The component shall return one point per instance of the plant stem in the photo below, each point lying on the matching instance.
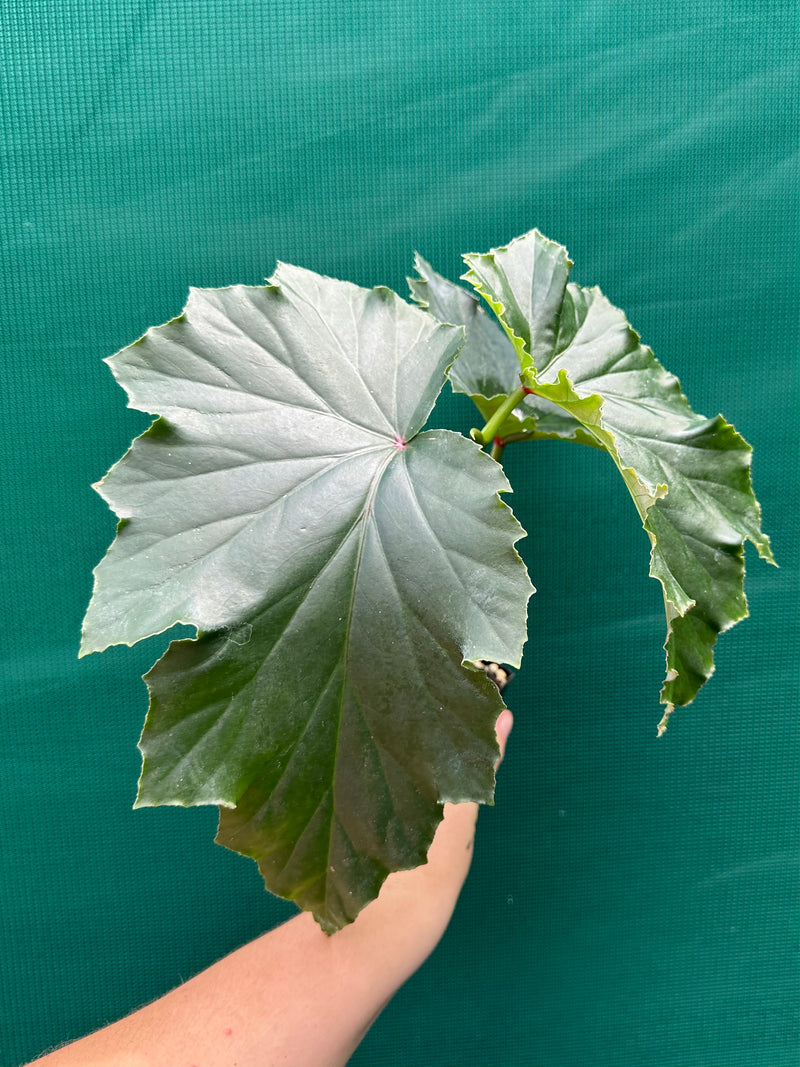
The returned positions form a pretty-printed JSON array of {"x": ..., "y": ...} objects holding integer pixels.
[
  {"x": 489, "y": 431},
  {"x": 498, "y": 448}
]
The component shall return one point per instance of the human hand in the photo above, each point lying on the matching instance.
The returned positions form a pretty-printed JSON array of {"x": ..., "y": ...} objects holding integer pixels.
[
  {"x": 422, "y": 900},
  {"x": 251, "y": 1009}
]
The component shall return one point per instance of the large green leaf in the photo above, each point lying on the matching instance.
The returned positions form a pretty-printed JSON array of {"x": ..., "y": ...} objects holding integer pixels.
[
  {"x": 339, "y": 565},
  {"x": 689, "y": 476}
]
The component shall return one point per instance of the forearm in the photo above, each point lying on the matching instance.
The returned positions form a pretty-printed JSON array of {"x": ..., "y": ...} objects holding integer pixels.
[{"x": 295, "y": 996}]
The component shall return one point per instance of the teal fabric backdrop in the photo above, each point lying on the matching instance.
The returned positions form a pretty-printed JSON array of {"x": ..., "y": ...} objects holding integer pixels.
[{"x": 633, "y": 901}]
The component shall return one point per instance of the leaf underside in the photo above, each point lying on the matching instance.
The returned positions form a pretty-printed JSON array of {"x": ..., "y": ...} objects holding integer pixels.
[
  {"x": 592, "y": 381},
  {"x": 339, "y": 565}
]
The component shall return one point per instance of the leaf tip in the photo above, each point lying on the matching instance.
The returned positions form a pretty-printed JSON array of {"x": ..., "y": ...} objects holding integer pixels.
[
  {"x": 89, "y": 644},
  {"x": 422, "y": 266},
  {"x": 764, "y": 549},
  {"x": 661, "y": 729}
]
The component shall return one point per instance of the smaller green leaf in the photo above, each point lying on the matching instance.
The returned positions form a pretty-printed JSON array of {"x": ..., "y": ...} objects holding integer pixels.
[
  {"x": 487, "y": 368},
  {"x": 524, "y": 285},
  {"x": 688, "y": 476},
  {"x": 487, "y": 364}
]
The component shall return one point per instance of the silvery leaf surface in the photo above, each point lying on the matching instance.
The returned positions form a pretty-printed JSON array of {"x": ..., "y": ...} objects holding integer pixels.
[{"x": 339, "y": 565}]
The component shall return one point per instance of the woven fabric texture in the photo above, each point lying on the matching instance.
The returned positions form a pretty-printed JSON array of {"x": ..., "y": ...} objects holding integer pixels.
[{"x": 632, "y": 901}]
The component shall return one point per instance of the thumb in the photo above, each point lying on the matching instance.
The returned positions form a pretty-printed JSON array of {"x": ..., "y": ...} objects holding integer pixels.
[{"x": 505, "y": 722}]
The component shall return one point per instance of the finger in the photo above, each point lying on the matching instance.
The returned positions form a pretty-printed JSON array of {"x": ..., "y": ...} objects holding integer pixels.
[{"x": 505, "y": 722}]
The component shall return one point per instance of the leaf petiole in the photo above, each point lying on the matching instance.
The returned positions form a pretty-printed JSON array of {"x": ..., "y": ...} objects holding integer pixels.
[
  {"x": 499, "y": 443},
  {"x": 489, "y": 431},
  {"x": 498, "y": 448}
]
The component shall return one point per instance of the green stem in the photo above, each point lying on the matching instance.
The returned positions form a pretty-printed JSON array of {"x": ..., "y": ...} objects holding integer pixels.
[{"x": 489, "y": 431}]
